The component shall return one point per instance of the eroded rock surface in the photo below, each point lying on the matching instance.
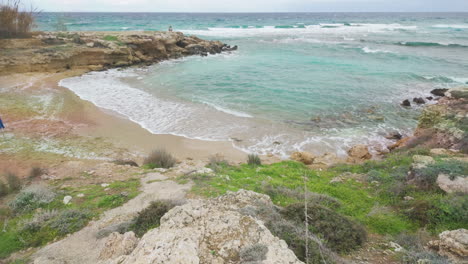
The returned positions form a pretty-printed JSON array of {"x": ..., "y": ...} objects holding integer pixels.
[
  {"x": 452, "y": 244},
  {"x": 210, "y": 231}
]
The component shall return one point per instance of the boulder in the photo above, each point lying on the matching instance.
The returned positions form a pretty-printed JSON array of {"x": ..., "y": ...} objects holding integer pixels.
[
  {"x": 455, "y": 185},
  {"x": 210, "y": 231},
  {"x": 118, "y": 245},
  {"x": 303, "y": 157},
  {"x": 394, "y": 136},
  {"x": 67, "y": 199},
  {"x": 419, "y": 100},
  {"x": 358, "y": 153},
  {"x": 325, "y": 161},
  {"x": 458, "y": 93},
  {"x": 421, "y": 161},
  {"x": 406, "y": 103},
  {"x": 439, "y": 92},
  {"x": 452, "y": 244}
]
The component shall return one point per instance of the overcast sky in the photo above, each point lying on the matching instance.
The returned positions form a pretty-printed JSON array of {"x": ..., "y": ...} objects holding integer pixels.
[{"x": 252, "y": 5}]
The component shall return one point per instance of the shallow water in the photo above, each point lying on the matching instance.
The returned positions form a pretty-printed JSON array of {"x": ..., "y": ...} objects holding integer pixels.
[{"x": 316, "y": 82}]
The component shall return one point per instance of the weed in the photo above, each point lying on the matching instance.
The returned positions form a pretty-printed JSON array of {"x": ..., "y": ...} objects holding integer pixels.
[
  {"x": 217, "y": 163},
  {"x": 254, "y": 160},
  {"x": 39, "y": 220},
  {"x": 159, "y": 159},
  {"x": 3, "y": 189},
  {"x": 35, "y": 172},
  {"x": 150, "y": 217},
  {"x": 32, "y": 197},
  {"x": 14, "y": 182},
  {"x": 70, "y": 221},
  {"x": 13, "y": 21},
  {"x": 253, "y": 253}
]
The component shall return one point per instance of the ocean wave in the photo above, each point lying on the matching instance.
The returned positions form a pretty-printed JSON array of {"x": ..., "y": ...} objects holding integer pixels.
[
  {"x": 455, "y": 26},
  {"x": 445, "y": 79},
  {"x": 430, "y": 44},
  {"x": 228, "y": 111},
  {"x": 295, "y": 30},
  {"x": 369, "y": 50}
]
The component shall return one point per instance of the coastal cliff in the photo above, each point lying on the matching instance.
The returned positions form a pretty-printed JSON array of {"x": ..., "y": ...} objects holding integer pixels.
[{"x": 59, "y": 51}]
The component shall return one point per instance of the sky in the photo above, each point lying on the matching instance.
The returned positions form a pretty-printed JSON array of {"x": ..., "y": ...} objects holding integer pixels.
[{"x": 252, "y": 5}]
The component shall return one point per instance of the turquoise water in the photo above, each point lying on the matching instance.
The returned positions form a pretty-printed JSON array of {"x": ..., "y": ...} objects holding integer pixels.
[{"x": 317, "y": 82}]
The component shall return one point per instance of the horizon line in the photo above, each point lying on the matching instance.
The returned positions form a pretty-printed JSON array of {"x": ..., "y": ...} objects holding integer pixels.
[{"x": 251, "y": 12}]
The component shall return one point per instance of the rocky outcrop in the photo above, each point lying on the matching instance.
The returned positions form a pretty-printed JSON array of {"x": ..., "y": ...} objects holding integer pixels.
[
  {"x": 118, "y": 245},
  {"x": 453, "y": 185},
  {"x": 59, "y": 51},
  {"x": 303, "y": 157},
  {"x": 211, "y": 231},
  {"x": 358, "y": 153},
  {"x": 452, "y": 244}
]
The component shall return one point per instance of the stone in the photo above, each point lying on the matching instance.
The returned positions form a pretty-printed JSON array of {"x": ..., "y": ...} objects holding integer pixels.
[
  {"x": 358, "y": 153},
  {"x": 209, "y": 231},
  {"x": 419, "y": 100},
  {"x": 406, "y": 103},
  {"x": 408, "y": 198},
  {"x": 303, "y": 157},
  {"x": 439, "y": 92},
  {"x": 80, "y": 195},
  {"x": 457, "y": 185},
  {"x": 67, "y": 199},
  {"x": 118, "y": 245},
  {"x": 104, "y": 185},
  {"x": 421, "y": 161},
  {"x": 441, "y": 151},
  {"x": 452, "y": 244},
  {"x": 458, "y": 93},
  {"x": 394, "y": 136},
  {"x": 324, "y": 161}
]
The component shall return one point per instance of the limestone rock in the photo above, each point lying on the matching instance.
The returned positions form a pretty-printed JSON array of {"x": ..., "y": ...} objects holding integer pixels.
[
  {"x": 452, "y": 244},
  {"x": 458, "y": 93},
  {"x": 420, "y": 161},
  {"x": 67, "y": 199},
  {"x": 209, "y": 231},
  {"x": 303, "y": 157},
  {"x": 358, "y": 153},
  {"x": 441, "y": 151},
  {"x": 118, "y": 245},
  {"x": 457, "y": 185}
]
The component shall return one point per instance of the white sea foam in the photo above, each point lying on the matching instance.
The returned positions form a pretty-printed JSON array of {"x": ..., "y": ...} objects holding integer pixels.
[
  {"x": 456, "y": 26},
  {"x": 309, "y": 29},
  {"x": 460, "y": 80},
  {"x": 369, "y": 50},
  {"x": 228, "y": 111}
]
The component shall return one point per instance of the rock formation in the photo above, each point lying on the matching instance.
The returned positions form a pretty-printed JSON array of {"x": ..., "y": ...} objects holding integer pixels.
[
  {"x": 59, "y": 51},
  {"x": 210, "y": 231},
  {"x": 452, "y": 244},
  {"x": 359, "y": 153}
]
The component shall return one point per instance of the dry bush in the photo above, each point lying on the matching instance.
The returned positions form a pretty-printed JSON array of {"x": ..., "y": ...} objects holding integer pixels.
[
  {"x": 15, "y": 21},
  {"x": 35, "y": 172},
  {"x": 254, "y": 160},
  {"x": 160, "y": 158},
  {"x": 3, "y": 189},
  {"x": 14, "y": 182}
]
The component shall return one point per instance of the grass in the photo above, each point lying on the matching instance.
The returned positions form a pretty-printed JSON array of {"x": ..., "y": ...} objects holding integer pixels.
[
  {"x": 383, "y": 186},
  {"x": 15, "y": 22},
  {"x": 110, "y": 38},
  {"x": 68, "y": 218}
]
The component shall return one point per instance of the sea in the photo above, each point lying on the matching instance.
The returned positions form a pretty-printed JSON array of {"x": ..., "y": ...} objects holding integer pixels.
[{"x": 317, "y": 82}]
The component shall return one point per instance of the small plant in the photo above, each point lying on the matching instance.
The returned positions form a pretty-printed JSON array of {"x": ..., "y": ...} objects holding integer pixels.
[
  {"x": 39, "y": 220},
  {"x": 3, "y": 189},
  {"x": 253, "y": 253},
  {"x": 254, "y": 160},
  {"x": 69, "y": 221},
  {"x": 14, "y": 182},
  {"x": 13, "y": 21},
  {"x": 159, "y": 158},
  {"x": 35, "y": 172},
  {"x": 31, "y": 198},
  {"x": 125, "y": 162},
  {"x": 150, "y": 217},
  {"x": 217, "y": 162},
  {"x": 340, "y": 233},
  {"x": 110, "y": 38}
]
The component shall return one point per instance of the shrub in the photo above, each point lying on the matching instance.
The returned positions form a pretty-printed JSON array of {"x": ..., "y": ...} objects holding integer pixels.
[
  {"x": 31, "y": 198},
  {"x": 39, "y": 220},
  {"x": 450, "y": 212},
  {"x": 69, "y": 221},
  {"x": 35, "y": 172},
  {"x": 217, "y": 162},
  {"x": 3, "y": 189},
  {"x": 253, "y": 253},
  {"x": 426, "y": 177},
  {"x": 254, "y": 160},
  {"x": 13, "y": 21},
  {"x": 14, "y": 183},
  {"x": 126, "y": 162},
  {"x": 340, "y": 233},
  {"x": 150, "y": 217},
  {"x": 160, "y": 159}
]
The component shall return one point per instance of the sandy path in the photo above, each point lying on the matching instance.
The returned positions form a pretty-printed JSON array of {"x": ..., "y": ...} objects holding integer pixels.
[{"x": 83, "y": 246}]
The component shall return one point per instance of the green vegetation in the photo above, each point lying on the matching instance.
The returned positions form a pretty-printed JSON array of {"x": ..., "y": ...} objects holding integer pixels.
[
  {"x": 37, "y": 215},
  {"x": 150, "y": 217},
  {"x": 372, "y": 194},
  {"x": 110, "y": 38},
  {"x": 254, "y": 160},
  {"x": 14, "y": 182},
  {"x": 159, "y": 158}
]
